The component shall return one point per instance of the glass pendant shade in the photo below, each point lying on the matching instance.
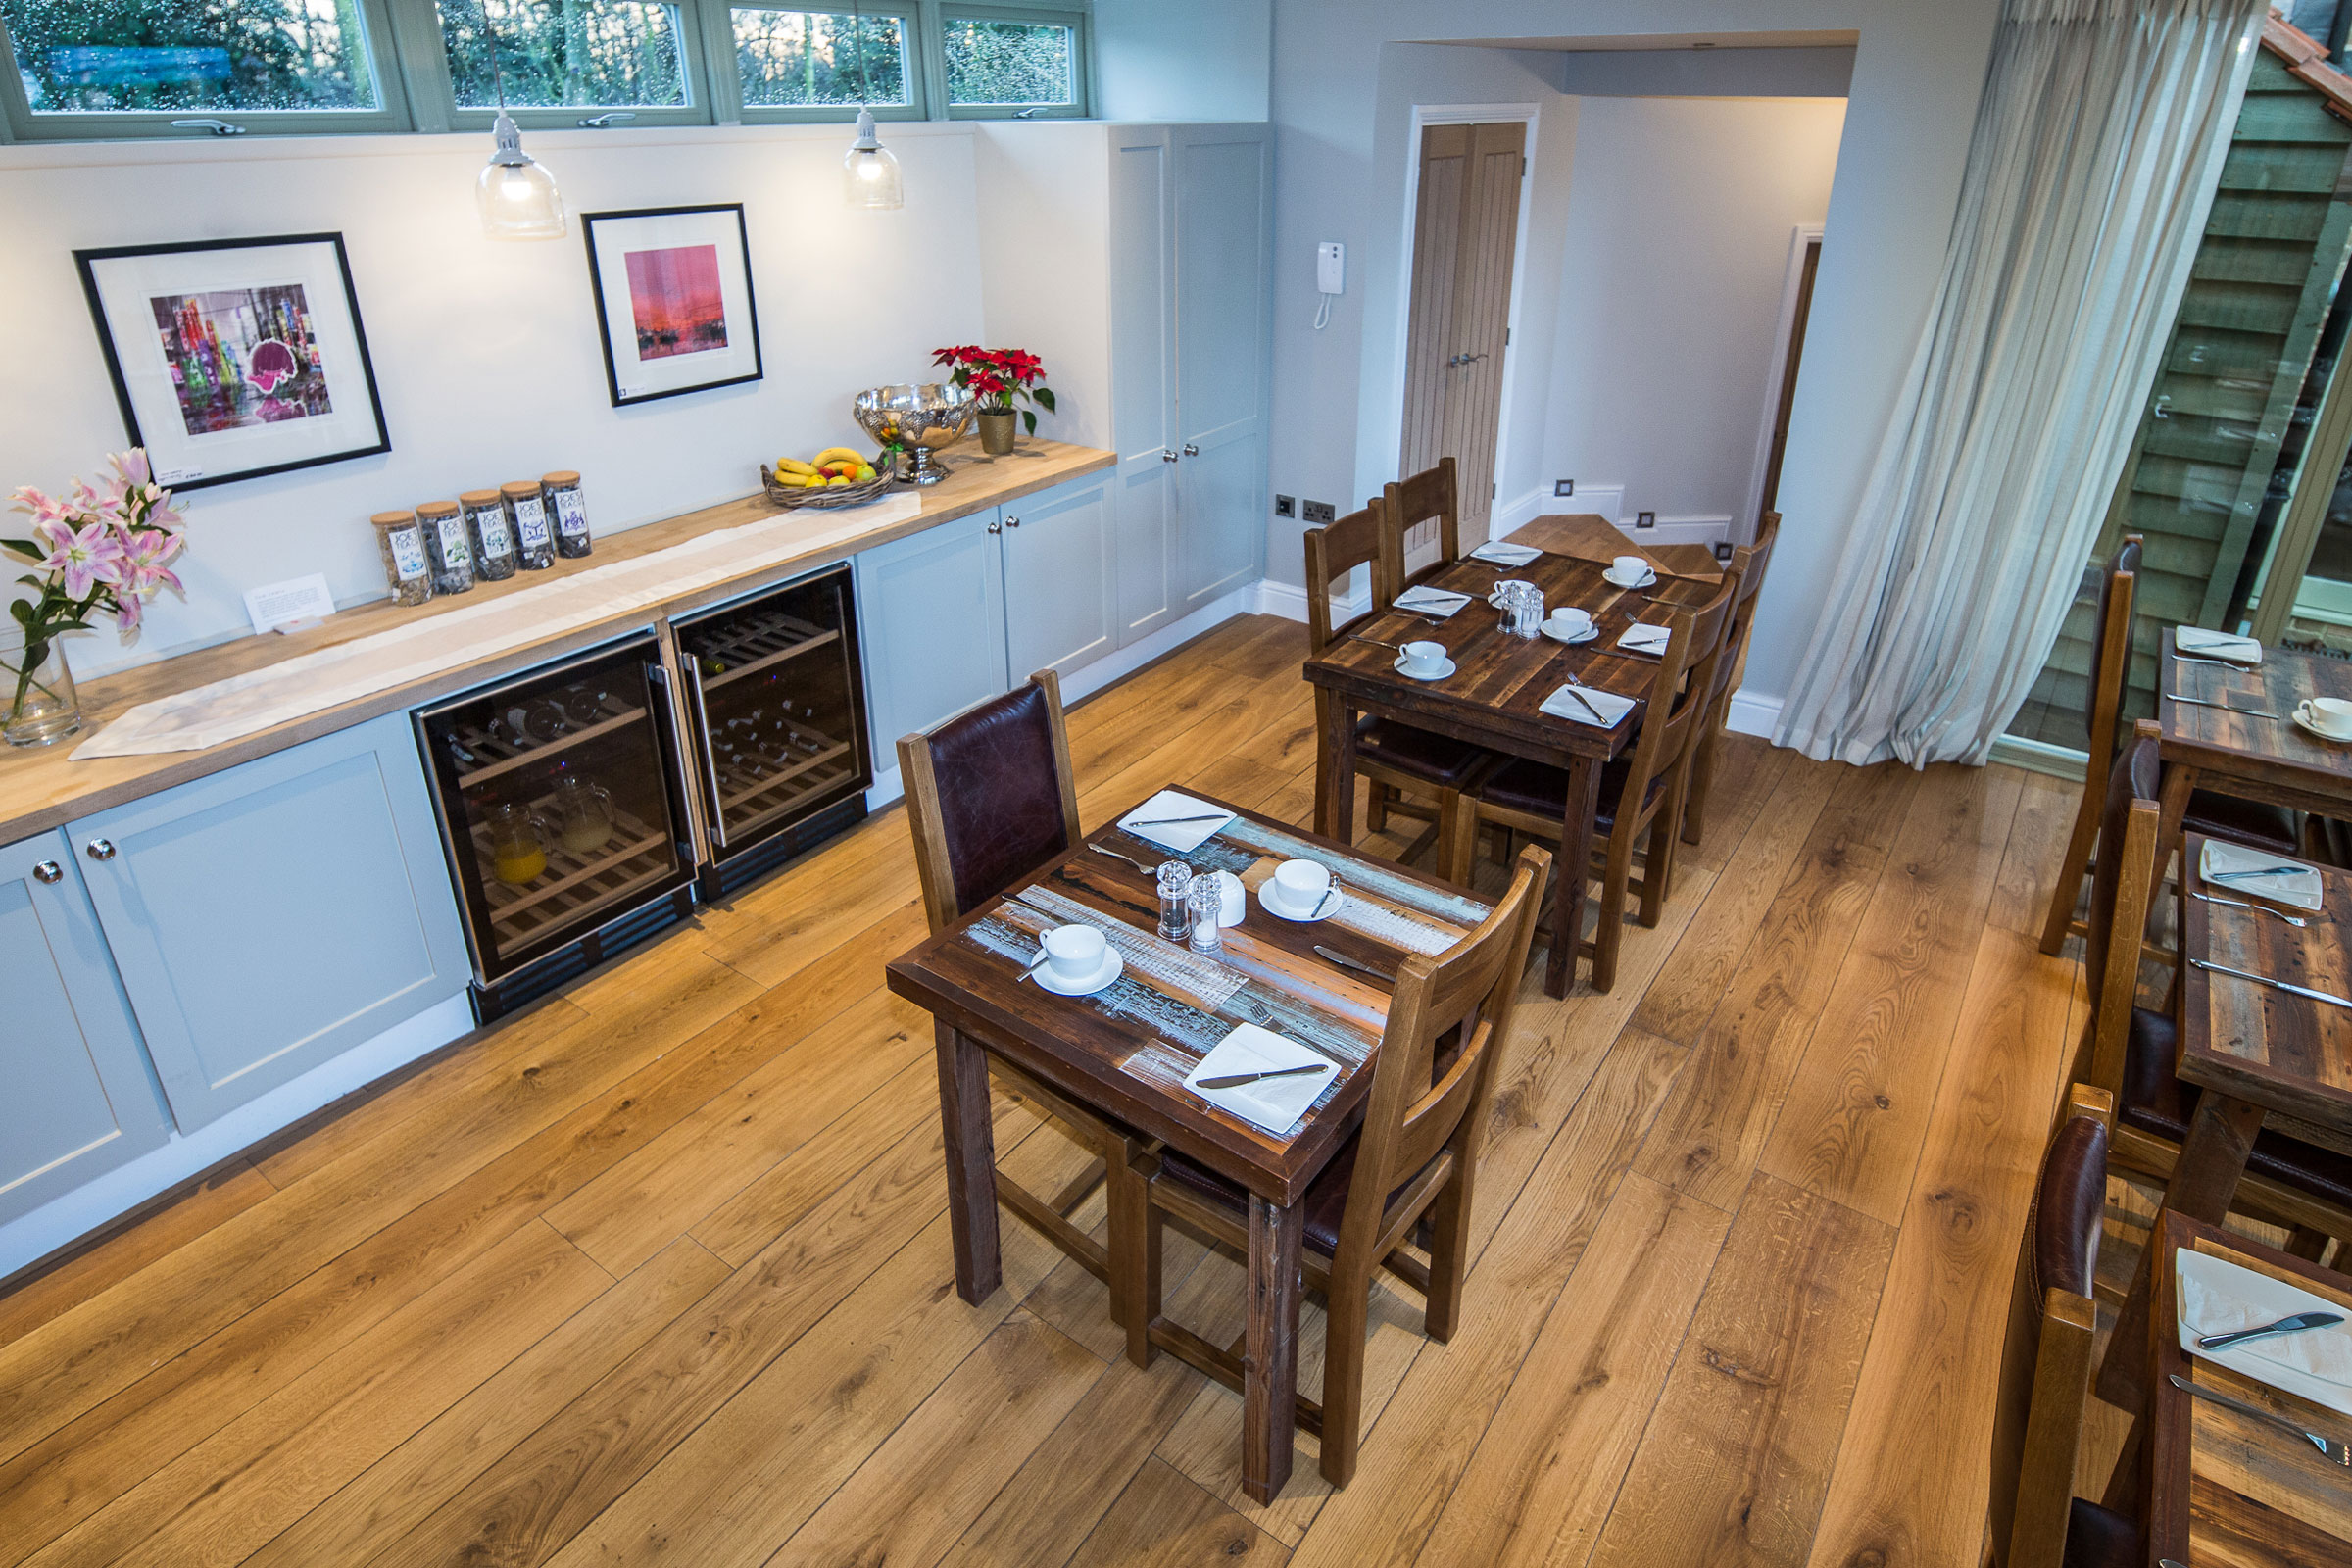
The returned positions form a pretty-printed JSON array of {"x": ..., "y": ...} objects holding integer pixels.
[
  {"x": 869, "y": 174},
  {"x": 516, "y": 197}
]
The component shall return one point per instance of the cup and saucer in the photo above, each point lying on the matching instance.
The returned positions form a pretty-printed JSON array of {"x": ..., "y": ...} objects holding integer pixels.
[
  {"x": 1302, "y": 890},
  {"x": 1076, "y": 960},
  {"x": 1424, "y": 660},
  {"x": 1569, "y": 625},
  {"x": 1629, "y": 572},
  {"x": 2328, "y": 717}
]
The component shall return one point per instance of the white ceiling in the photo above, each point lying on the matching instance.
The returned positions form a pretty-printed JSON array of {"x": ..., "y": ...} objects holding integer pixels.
[{"x": 1821, "y": 38}]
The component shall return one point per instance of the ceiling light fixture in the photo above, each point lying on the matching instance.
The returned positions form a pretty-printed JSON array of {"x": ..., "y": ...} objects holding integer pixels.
[
  {"x": 869, "y": 175},
  {"x": 517, "y": 198}
]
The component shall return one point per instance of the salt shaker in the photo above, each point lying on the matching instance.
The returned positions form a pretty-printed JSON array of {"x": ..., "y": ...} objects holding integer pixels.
[
  {"x": 1175, "y": 906},
  {"x": 1207, "y": 900}
]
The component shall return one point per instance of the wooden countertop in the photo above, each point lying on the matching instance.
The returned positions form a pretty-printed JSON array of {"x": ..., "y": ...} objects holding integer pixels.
[{"x": 42, "y": 789}]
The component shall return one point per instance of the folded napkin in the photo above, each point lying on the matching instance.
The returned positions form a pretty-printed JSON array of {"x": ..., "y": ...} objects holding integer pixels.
[
  {"x": 2219, "y": 1297},
  {"x": 1563, "y": 703},
  {"x": 2217, "y": 645},
  {"x": 2301, "y": 888},
  {"x": 1183, "y": 838},
  {"x": 1506, "y": 554},
  {"x": 1640, "y": 638},
  {"x": 1274, "y": 1104},
  {"x": 1431, "y": 601}
]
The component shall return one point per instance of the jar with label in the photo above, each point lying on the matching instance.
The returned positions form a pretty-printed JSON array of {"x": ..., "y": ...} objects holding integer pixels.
[
  {"x": 526, "y": 516},
  {"x": 448, "y": 552},
  {"x": 405, "y": 569},
  {"x": 570, "y": 508},
  {"x": 493, "y": 541}
]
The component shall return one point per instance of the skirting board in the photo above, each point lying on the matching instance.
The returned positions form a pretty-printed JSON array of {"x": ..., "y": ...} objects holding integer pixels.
[{"x": 1755, "y": 714}]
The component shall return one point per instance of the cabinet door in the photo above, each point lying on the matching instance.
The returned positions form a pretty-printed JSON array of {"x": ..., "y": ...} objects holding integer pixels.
[
  {"x": 78, "y": 1098},
  {"x": 1142, "y": 368},
  {"x": 1223, "y": 278},
  {"x": 931, "y": 609},
  {"x": 269, "y": 918},
  {"x": 1057, "y": 588}
]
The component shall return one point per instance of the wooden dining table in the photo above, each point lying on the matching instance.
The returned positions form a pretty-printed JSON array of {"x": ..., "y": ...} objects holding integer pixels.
[
  {"x": 2258, "y": 753},
  {"x": 2224, "y": 1489},
  {"x": 1124, "y": 1052},
  {"x": 1493, "y": 697}
]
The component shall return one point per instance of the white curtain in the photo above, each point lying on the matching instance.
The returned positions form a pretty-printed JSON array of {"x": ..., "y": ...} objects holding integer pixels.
[{"x": 2090, "y": 174}]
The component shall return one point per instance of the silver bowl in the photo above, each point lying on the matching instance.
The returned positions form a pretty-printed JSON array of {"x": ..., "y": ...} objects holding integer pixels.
[{"x": 919, "y": 419}]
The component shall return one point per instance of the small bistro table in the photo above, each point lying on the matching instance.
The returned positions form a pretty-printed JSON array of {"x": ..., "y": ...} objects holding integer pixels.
[
  {"x": 2257, "y": 757},
  {"x": 1500, "y": 682},
  {"x": 1124, "y": 1052}
]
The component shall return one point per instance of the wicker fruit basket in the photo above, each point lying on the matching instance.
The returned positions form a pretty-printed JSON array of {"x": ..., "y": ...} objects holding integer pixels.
[{"x": 826, "y": 496}]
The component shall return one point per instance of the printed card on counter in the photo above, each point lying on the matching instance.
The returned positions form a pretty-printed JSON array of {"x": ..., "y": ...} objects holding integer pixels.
[{"x": 290, "y": 605}]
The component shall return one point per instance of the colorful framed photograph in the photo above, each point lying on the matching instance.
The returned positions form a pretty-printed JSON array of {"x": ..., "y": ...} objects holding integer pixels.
[
  {"x": 673, "y": 300},
  {"x": 237, "y": 358}
]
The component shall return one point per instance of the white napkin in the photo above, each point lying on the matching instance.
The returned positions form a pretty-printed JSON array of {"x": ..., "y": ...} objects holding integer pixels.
[
  {"x": 1182, "y": 838},
  {"x": 2302, "y": 889},
  {"x": 2219, "y": 1297},
  {"x": 1274, "y": 1104},
  {"x": 1431, "y": 601},
  {"x": 2217, "y": 645},
  {"x": 1640, "y": 638},
  {"x": 1563, "y": 703},
  {"x": 1506, "y": 554}
]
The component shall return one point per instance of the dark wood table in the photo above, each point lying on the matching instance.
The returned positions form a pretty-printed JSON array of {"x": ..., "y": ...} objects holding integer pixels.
[
  {"x": 1125, "y": 1051},
  {"x": 1495, "y": 696},
  {"x": 2225, "y": 1489},
  {"x": 2239, "y": 753}
]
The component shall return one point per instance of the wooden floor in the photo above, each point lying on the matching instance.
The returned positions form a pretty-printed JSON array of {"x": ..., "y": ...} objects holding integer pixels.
[{"x": 659, "y": 1271}]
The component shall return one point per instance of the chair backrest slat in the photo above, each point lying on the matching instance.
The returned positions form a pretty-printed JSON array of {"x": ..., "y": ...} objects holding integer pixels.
[
  {"x": 991, "y": 797},
  {"x": 1419, "y": 497},
  {"x": 1748, "y": 564},
  {"x": 2111, "y": 651},
  {"x": 2119, "y": 889},
  {"x": 1332, "y": 551},
  {"x": 1675, "y": 705}
]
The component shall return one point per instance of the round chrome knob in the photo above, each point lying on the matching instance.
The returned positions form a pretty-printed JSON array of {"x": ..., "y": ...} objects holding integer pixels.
[
  {"x": 1191, "y": 451},
  {"x": 50, "y": 873},
  {"x": 1166, "y": 456},
  {"x": 1012, "y": 522},
  {"x": 100, "y": 849},
  {"x": 996, "y": 528}
]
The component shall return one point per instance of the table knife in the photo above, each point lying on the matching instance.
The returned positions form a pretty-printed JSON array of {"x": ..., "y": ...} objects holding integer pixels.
[
  {"x": 1346, "y": 962},
  {"x": 1234, "y": 1080},
  {"x": 1585, "y": 706},
  {"x": 2199, "y": 702},
  {"x": 2334, "y": 1448},
  {"x": 1173, "y": 821},
  {"x": 2297, "y": 1324},
  {"x": 2276, "y": 985},
  {"x": 2259, "y": 870}
]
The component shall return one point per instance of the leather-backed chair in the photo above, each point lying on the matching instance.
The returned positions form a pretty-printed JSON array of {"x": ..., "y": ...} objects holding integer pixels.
[
  {"x": 991, "y": 797},
  {"x": 1406, "y": 504},
  {"x": 1748, "y": 564}
]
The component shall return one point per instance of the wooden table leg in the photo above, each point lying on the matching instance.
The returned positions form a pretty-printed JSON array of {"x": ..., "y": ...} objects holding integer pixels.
[
  {"x": 1270, "y": 1357},
  {"x": 2220, "y": 1136},
  {"x": 1335, "y": 803},
  {"x": 971, "y": 1149},
  {"x": 1568, "y": 899},
  {"x": 2180, "y": 782}
]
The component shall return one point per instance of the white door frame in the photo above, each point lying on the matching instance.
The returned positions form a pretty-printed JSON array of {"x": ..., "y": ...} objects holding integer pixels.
[
  {"x": 1425, "y": 114},
  {"x": 1800, "y": 238}
]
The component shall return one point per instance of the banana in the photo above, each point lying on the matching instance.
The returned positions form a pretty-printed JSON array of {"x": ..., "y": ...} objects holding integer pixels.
[
  {"x": 796, "y": 481},
  {"x": 794, "y": 465},
  {"x": 830, "y": 454}
]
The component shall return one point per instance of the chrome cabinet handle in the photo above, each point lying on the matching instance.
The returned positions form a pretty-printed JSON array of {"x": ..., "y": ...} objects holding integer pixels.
[
  {"x": 100, "y": 849},
  {"x": 996, "y": 528},
  {"x": 1012, "y": 522},
  {"x": 49, "y": 872},
  {"x": 1191, "y": 451},
  {"x": 1166, "y": 456}
]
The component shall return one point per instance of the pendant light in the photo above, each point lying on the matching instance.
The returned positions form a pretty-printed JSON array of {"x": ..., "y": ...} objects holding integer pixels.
[
  {"x": 516, "y": 197},
  {"x": 869, "y": 175}
]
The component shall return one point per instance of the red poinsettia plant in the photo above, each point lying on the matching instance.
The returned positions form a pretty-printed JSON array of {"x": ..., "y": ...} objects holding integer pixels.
[{"x": 1000, "y": 378}]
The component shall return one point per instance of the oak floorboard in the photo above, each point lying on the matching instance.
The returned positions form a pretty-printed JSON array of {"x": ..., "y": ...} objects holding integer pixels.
[
  {"x": 2037, "y": 835},
  {"x": 1748, "y": 773},
  {"x": 1165, "y": 1521}
]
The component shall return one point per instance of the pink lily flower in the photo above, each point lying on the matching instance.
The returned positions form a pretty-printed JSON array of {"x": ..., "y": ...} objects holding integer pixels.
[
  {"x": 128, "y": 607},
  {"x": 131, "y": 466},
  {"x": 83, "y": 558},
  {"x": 144, "y": 560},
  {"x": 44, "y": 509}
]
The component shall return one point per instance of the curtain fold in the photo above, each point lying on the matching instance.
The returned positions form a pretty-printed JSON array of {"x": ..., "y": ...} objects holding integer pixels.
[{"x": 2089, "y": 174}]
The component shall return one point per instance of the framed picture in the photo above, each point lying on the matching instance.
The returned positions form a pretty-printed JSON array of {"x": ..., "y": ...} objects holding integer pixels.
[
  {"x": 673, "y": 300},
  {"x": 237, "y": 358}
]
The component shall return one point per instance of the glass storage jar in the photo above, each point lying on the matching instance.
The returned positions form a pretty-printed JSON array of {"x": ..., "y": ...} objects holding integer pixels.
[
  {"x": 569, "y": 507},
  {"x": 493, "y": 541},
  {"x": 401, "y": 539},
  {"x": 526, "y": 516},
  {"x": 447, "y": 551}
]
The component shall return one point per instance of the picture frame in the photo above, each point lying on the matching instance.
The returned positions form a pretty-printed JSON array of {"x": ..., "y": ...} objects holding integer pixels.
[
  {"x": 678, "y": 283},
  {"x": 232, "y": 359}
]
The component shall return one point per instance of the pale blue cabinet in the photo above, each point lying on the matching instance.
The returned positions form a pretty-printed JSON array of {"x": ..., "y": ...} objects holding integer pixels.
[
  {"x": 78, "y": 1098},
  {"x": 931, "y": 611},
  {"x": 1058, "y": 547},
  {"x": 270, "y": 917}
]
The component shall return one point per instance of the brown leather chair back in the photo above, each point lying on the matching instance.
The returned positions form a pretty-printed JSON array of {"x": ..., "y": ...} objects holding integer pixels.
[
  {"x": 2111, "y": 651},
  {"x": 1407, "y": 502},
  {"x": 1332, "y": 551},
  {"x": 990, "y": 797},
  {"x": 1748, "y": 563}
]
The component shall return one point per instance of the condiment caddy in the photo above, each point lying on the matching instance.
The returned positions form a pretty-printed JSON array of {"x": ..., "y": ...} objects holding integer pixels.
[{"x": 445, "y": 547}]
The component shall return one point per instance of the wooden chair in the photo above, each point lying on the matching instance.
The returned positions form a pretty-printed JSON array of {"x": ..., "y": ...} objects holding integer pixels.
[
  {"x": 1415, "y": 1156},
  {"x": 2037, "y": 1520},
  {"x": 1412, "y": 772},
  {"x": 2250, "y": 822},
  {"x": 1747, "y": 571},
  {"x": 1641, "y": 792},
  {"x": 1408, "y": 503},
  {"x": 990, "y": 797},
  {"x": 2129, "y": 1051}
]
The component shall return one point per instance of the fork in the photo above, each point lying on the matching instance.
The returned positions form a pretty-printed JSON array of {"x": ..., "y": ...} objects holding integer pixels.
[
  {"x": 2241, "y": 903},
  {"x": 1129, "y": 859}
]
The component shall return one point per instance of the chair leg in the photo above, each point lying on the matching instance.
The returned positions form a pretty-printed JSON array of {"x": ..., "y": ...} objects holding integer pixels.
[
  {"x": 1448, "y": 1257},
  {"x": 2069, "y": 884},
  {"x": 1458, "y": 846},
  {"x": 1376, "y": 807},
  {"x": 1611, "y": 930},
  {"x": 1343, "y": 1373},
  {"x": 1702, "y": 774},
  {"x": 1135, "y": 1237},
  {"x": 1658, "y": 866}
]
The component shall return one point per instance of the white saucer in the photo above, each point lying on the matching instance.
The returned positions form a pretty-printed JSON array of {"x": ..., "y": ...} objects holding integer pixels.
[
  {"x": 1591, "y": 630},
  {"x": 1267, "y": 901},
  {"x": 1609, "y": 574},
  {"x": 1440, "y": 673},
  {"x": 1044, "y": 976},
  {"x": 2310, "y": 728}
]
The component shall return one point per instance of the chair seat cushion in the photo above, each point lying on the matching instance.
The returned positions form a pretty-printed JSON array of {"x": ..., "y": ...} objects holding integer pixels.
[
  {"x": 1440, "y": 760},
  {"x": 2155, "y": 1100},
  {"x": 1326, "y": 1203},
  {"x": 2100, "y": 1538},
  {"x": 1540, "y": 790},
  {"x": 2255, "y": 823}
]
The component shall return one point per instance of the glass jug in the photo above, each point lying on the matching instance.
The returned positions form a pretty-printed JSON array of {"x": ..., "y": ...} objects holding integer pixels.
[
  {"x": 517, "y": 843},
  {"x": 583, "y": 815}
]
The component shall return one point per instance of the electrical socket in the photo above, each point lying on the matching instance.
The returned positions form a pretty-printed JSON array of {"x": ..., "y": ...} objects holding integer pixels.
[
  {"x": 1563, "y": 487},
  {"x": 1722, "y": 550},
  {"x": 1286, "y": 506},
  {"x": 1645, "y": 519},
  {"x": 1321, "y": 512}
]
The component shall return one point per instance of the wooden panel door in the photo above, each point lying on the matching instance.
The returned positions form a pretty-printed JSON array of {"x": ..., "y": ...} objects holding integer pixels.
[
  {"x": 1465, "y": 229},
  {"x": 80, "y": 1100},
  {"x": 1057, "y": 583},
  {"x": 1143, "y": 369},
  {"x": 931, "y": 609},
  {"x": 1223, "y": 280}
]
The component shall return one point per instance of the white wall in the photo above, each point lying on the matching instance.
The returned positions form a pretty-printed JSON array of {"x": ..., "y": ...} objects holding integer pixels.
[
  {"x": 1188, "y": 60},
  {"x": 1044, "y": 196},
  {"x": 1679, "y": 212}
]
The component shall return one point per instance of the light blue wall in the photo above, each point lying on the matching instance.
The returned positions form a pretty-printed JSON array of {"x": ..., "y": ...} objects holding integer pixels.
[{"x": 1193, "y": 59}]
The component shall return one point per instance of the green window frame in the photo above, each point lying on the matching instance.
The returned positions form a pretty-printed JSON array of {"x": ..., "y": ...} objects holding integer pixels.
[
  {"x": 729, "y": 84},
  {"x": 435, "y": 85},
  {"x": 1082, "y": 53}
]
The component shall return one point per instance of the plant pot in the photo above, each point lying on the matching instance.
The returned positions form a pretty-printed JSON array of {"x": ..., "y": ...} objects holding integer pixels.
[
  {"x": 996, "y": 431},
  {"x": 39, "y": 707}
]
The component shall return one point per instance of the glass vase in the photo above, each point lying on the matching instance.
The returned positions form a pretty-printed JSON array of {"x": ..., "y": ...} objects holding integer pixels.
[{"x": 37, "y": 707}]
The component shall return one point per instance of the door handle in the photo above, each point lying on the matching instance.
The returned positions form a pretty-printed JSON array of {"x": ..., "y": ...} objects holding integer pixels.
[
  {"x": 100, "y": 849},
  {"x": 1012, "y": 522},
  {"x": 49, "y": 874},
  {"x": 1465, "y": 358},
  {"x": 996, "y": 528},
  {"x": 1191, "y": 451},
  {"x": 1166, "y": 456}
]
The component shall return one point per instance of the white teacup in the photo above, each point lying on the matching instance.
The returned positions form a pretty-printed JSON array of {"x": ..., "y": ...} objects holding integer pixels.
[
  {"x": 1632, "y": 569},
  {"x": 1300, "y": 886},
  {"x": 1424, "y": 657},
  {"x": 2329, "y": 716},
  {"x": 1569, "y": 622},
  {"x": 1073, "y": 953}
]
